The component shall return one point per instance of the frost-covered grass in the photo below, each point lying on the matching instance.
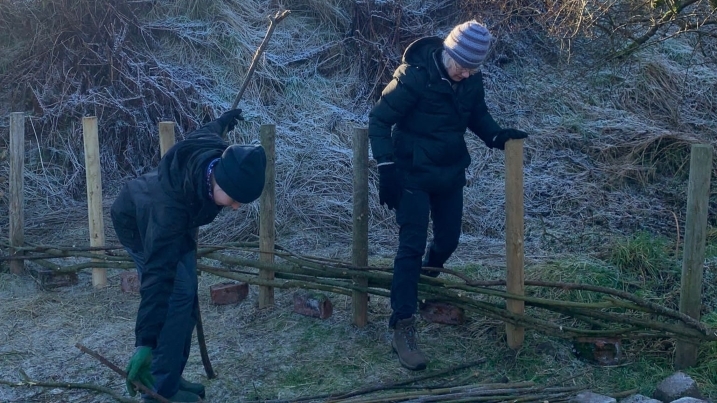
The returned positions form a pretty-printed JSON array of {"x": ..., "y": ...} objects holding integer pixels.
[
  {"x": 272, "y": 354},
  {"x": 606, "y": 159}
]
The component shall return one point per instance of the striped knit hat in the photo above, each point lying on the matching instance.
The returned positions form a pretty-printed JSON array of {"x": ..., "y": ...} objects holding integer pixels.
[{"x": 468, "y": 44}]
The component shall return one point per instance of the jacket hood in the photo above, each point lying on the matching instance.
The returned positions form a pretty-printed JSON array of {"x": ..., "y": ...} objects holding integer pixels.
[
  {"x": 420, "y": 52},
  {"x": 182, "y": 169}
]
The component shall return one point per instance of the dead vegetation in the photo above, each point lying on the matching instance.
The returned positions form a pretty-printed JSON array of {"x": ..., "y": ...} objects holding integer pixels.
[
  {"x": 608, "y": 156},
  {"x": 625, "y": 127},
  {"x": 614, "y": 29}
]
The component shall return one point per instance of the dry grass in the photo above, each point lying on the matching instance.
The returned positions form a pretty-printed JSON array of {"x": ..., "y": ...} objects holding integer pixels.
[
  {"x": 602, "y": 143},
  {"x": 607, "y": 156}
]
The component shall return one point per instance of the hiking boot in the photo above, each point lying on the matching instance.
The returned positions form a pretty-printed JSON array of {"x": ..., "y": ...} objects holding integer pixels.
[
  {"x": 181, "y": 396},
  {"x": 430, "y": 273},
  {"x": 404, "y": 343},
  {"x": 426, "y": 269},
  {"x": 196, "y": 388}
]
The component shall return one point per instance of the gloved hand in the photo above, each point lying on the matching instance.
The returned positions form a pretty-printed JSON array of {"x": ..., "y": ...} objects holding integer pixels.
[
  {"x": 229, "y": 119},
  {"x": 139, "y": 369},
  {"x": 389, "y": 186},
  {"x": 505, "y": 135}
]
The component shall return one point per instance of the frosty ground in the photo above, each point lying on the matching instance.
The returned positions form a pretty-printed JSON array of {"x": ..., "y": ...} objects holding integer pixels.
[{"x": 265, "y": 354}]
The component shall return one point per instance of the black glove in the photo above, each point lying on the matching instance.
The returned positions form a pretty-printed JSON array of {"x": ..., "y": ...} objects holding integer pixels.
[
  {"x": 389, "y": 186},
  {"x": 505, "y": 135},
  {"x": 230, "y": 118}
]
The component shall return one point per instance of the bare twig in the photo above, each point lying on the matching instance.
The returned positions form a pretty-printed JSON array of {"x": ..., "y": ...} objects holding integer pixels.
[
  {"x": 122, "y": 373},
  {"x": 677, "y": 229},
  {"x": 273, "y": 21},
  {"x": 598, "y": 318},
  {"x": 389, "y": 386},
  {"x": 68, "y": 385}
]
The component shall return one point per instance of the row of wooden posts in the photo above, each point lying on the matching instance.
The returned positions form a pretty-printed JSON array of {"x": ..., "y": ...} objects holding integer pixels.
[{"x": 694, "y": 245}]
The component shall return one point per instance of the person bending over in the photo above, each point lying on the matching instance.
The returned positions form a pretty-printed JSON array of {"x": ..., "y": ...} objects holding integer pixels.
[{"x": 156, "y": 217}]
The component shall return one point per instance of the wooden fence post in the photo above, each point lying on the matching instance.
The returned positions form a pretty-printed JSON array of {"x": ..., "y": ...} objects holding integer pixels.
[
  {"x": 359, "y": 250},
  {"x": 515, "y": 280},
  {"x": 93, "y": 174},
  {"x": 698, "y": 192},
  {"x": 267, "y": 200},
  {"x": 166, "y": 137},
  {"x": 17, "y": 185}
]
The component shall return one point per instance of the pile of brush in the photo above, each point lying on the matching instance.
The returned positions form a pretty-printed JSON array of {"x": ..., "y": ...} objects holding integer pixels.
[{"x": 608, "y": 313}]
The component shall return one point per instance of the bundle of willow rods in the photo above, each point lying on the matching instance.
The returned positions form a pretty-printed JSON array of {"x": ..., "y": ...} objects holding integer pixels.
[
  {"x": 618, "y": 314},
  {"x": 480, "y": 392},
  {"x": 497, "y": 392}
]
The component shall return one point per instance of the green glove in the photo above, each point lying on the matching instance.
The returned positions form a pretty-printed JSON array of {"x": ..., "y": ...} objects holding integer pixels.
[{"x": 139, "y": 369}]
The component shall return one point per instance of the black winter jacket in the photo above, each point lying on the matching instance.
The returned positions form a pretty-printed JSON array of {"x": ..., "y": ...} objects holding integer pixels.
[
  {"x": 158, "y": 213},
  {"x": 421, "y": 118}
]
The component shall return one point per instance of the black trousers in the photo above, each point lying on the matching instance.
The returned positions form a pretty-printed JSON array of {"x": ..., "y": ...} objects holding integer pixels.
[
  {"x": 412, "y": 216},
  {"x": 175, "y": 340}
]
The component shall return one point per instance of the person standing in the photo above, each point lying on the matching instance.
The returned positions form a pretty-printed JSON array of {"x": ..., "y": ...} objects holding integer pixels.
[
  {"x": 416, "y": 131},
  {"x": 156, "y": 217}
]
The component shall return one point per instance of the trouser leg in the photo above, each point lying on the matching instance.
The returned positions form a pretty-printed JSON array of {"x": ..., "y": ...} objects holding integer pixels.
[
  {"x": 175, "y": 339},
  {"x": 412, "y": 218},
  {"x": 447, "y": 215}
]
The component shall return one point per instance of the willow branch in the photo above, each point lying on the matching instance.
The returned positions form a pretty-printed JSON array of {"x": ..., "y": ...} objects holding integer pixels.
[
  {"x": 120, "y": 372},
  {"x": 68, "y": 385},
  {"x": 389, "y": 386}
]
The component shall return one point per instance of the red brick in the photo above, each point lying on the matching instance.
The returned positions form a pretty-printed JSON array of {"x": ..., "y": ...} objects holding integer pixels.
[
  {"x": 599, "y": 350},
  {"x": 129, "y": 281},
  {"x": 228, "y": 293},
  {"x": 442, "y": 312},
  {"x": 51, "y": 279},
  {"x": 313, "y": 304}
]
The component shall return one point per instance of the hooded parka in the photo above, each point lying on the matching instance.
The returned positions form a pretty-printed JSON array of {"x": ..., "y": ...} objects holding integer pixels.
[
  {"x": 158, "y": 213},
  {"x": 421, "y": 118}
]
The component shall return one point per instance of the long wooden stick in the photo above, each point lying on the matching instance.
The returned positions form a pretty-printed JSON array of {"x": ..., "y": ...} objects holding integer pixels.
[
  {"x": 203, "y": 343},
  {"x": 122, "y": 373},
  {"x": 273, "y": 21}
]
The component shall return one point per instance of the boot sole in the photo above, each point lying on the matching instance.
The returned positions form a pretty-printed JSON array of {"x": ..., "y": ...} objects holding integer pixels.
[
  {"x": 197, "y": 392},
  {"x": 419, "y": 367}
]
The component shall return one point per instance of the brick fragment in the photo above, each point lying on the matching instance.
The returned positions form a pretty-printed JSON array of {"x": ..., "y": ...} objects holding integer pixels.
[
  {"x": 599, "y": 350},
  {"x": 313, "y": 304},
  {"x": 129, "y": 281},
  {"x": 442, "y": 312},
  {"x": 228, "y": 293},
  {"x": 51, "y": 279}
]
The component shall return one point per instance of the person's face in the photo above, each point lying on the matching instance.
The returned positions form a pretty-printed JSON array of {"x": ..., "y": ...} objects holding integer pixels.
[
  {"x": 458, "y": 73},
  {"x": 223, "y": 199}
]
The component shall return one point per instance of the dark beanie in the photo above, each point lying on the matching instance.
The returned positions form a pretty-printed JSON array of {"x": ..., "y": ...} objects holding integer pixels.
[
  {"x": 468, "y": 44},
  {"x": 240, "y": 172}
]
